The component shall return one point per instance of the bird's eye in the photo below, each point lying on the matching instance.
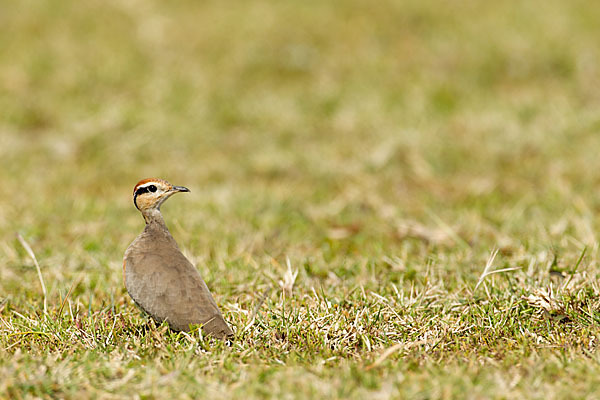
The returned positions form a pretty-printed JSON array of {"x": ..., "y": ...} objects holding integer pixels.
[{"x": 152, "y": 188}]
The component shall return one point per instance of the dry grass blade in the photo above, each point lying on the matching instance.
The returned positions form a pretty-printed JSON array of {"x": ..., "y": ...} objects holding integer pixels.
[
  {"x": 62, "y": 304},
  {"x": 544, "y": 299},
  {"x": 37, "y": 266},
  {"x": 289, "y": 277},
  {"x": 488, "y": 268}
]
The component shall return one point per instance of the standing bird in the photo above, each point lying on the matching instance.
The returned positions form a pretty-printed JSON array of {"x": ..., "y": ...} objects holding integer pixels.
[{"x": 158, "y": 277}]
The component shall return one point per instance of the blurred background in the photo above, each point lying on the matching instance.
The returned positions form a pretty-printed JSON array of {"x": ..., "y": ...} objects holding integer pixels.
[
  {"x": 324, "y": 131},
  {"x": 384, "y": 148}
]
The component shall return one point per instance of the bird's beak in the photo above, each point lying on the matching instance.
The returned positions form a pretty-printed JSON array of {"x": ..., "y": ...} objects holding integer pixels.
[{"x": 180, "y": 189}]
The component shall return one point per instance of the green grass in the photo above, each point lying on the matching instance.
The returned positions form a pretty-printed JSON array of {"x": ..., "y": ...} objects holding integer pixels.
[{"x": 385, "y": 150}]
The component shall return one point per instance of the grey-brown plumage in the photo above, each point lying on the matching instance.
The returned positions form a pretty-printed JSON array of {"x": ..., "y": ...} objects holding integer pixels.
[{"x": 158, "y": 277}]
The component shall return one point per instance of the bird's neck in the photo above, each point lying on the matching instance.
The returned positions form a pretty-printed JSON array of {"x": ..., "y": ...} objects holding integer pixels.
[
  {"x": 156, "y": 227},
  {"x": 154, "y": 217}
]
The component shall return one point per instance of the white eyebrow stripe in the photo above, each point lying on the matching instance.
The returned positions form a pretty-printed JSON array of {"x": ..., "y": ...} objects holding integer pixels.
[{"x": 145, "y": 185}]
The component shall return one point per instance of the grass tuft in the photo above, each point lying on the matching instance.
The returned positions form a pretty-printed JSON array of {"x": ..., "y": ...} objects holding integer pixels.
[{"x": 351, "y": 167}]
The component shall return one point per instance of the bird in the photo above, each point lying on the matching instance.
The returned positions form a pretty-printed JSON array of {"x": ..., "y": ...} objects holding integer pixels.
[{"x": 159, "y": 278}]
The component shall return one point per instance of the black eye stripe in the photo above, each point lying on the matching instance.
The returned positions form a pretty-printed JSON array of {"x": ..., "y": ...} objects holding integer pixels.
[
  {"x": 142, "y": 190},
  {"x": 145, "y": 189}
]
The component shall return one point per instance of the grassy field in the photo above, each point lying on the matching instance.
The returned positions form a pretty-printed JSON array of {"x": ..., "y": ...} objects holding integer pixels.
[{"x": 391, "y": 200}]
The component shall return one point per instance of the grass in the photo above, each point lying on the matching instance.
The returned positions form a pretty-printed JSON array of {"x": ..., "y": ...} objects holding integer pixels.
[{"x": 353, "y": 169}]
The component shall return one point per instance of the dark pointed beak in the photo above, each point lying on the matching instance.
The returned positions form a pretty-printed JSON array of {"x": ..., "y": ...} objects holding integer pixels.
[{"x": 180, "y": 189}]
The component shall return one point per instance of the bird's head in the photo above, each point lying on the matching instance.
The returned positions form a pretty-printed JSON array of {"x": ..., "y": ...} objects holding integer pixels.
[{"x": 149, "y": 194}]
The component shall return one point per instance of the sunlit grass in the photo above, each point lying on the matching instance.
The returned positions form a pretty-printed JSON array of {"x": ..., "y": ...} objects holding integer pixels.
[{"x": 352, "y": 167}]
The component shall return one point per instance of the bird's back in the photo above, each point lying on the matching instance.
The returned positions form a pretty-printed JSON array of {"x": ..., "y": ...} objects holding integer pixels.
[{"x": 168, "y": 287}]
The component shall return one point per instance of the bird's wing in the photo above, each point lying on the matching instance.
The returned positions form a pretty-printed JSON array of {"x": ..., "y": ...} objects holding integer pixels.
[{"x": 168, "y": 287}]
